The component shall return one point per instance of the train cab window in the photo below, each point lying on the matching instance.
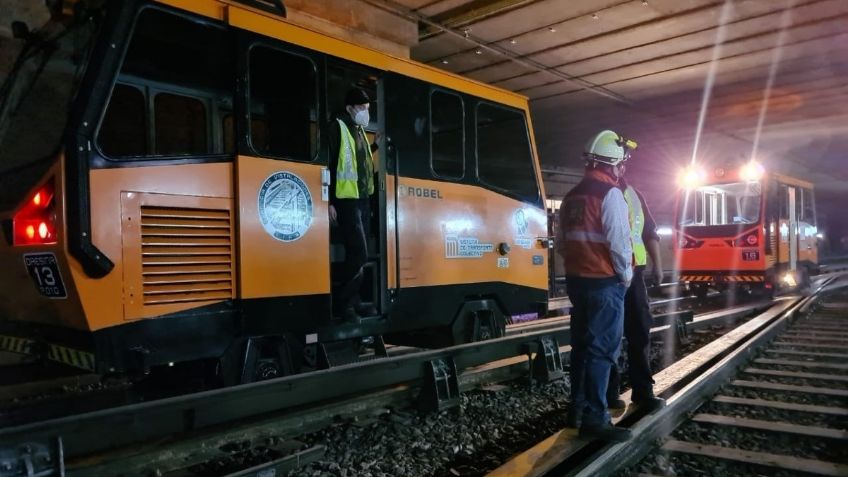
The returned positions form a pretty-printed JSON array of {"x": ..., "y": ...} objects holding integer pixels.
[
  {"x": 721, "y": 204},
  {"x": 784, "y": 201},
  {"x": 809, "y": 210},
  {"x": 174, "y": 87},
  {"x": 283, "y": 104},
  {"x": 180, "y": 125},
  {"x": 504, "y": 157},
  {"x": 691, "y": 207},
  {"x": 124, "y": 129},
  {"x": 447, "y": 135}
]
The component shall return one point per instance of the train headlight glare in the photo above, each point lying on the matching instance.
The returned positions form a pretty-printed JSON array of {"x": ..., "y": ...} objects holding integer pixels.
[
  {"x": 691, "y": 177},
  {"x": 789, "y": 279},
  {"x": 752, "y": 171}
]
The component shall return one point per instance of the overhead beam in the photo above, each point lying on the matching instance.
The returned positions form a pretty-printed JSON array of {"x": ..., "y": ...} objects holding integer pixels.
[
  {"x": 470, "y": 12},
  {"x": 358, "y": 22}
]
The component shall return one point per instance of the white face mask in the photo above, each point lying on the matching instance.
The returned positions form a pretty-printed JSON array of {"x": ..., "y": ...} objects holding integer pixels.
[{"x": 362, "y": 118}]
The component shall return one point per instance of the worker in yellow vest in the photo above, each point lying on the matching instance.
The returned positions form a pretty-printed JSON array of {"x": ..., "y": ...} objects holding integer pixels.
[
  {"x": 637, "y": 310},
  {"x": 351, "y": 187}
]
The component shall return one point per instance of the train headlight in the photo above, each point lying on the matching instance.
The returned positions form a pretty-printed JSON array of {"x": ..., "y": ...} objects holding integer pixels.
[
  {"x": 752, "y": 171},
  {"x": 789, "y": 279},
  {"x": 691, "y": 177}
]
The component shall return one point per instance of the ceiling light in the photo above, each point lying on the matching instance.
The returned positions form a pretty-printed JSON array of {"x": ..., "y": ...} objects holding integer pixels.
[
  {"x": 513, "y": 41},
  {"x": 595, "y": 16},
  {"x": 444, "y": 62},
  {"x": 645, "y": 2},
  {"x": 552, "y": 30}
]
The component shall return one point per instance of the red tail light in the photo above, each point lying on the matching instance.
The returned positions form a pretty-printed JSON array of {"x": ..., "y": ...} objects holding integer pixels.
[
  {"x": 748, "y": 240},
  {"x": 35, "y": 223},
  {"x": 686, "y": 242}
]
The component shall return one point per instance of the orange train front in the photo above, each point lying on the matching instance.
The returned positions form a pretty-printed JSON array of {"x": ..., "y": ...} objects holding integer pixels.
[
  {"x": 746, "y": 227},
  {"x": 179, "y": 211}
]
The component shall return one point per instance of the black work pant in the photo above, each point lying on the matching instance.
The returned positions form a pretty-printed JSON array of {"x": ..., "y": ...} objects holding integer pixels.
[
  {"x": 350, "y": 213},
  {"x": 637, "y": 330}
]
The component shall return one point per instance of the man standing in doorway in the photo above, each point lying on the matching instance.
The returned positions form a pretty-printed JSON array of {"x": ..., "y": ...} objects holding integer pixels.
[
  {"x": 351, "y": 187},
  {"x": 595, "y": 245}
]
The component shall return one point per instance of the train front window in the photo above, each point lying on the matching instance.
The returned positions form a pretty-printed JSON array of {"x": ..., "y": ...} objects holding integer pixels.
[
  {"x": 35, "y": 101},
  {"x": 174, "y": 91},
  {"x": 504, "y": 157},
  {"x": 721, "y": 204}
]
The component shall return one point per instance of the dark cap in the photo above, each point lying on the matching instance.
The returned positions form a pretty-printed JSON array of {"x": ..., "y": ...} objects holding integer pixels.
[{"x": 356, "y": 96}]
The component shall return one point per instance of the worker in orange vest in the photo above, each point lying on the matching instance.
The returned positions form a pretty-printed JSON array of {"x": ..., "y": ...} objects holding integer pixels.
[{"x": 595, "y": 245}]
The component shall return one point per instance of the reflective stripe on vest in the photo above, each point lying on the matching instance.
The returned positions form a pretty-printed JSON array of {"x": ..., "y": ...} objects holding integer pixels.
[
  {"x": 347, "y": 186},
  {"x": 637, "y": 224}
]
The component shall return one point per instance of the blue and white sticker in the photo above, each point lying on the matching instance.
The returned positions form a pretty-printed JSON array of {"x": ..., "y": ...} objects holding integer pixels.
[
  {"x": 285, "y": 206},
  {"x": 466, "y": 247},
  {"x": 521, "y": 226}
]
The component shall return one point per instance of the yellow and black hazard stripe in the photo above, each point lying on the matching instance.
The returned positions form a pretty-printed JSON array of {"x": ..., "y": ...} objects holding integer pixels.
[
  {"x": 71, "y": 357},
  {"x": 15, "y": 344},
  {"x": 696, "y": 278},
  {"x": 62, "y": 354},
  {"x": 744, "y": 278}
]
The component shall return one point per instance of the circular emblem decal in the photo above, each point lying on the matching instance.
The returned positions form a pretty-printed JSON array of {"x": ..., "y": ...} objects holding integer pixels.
[
  {"x": 285, "y": 206},
  {"x": 520, "y": 222}
]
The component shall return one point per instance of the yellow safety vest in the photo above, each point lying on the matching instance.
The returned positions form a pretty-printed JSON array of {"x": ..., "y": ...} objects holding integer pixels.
[
  {"x": 346, "y": 174},
  {"x": 637, "y": 224}
]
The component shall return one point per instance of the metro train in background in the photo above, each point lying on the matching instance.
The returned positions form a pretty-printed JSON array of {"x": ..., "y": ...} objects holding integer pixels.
[
  {"x": 744, "y": 228},
  {"x": 164, "y": 182}
]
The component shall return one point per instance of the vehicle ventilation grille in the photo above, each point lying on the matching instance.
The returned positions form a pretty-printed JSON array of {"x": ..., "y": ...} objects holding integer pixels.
[{"x": 187, "y": 255}]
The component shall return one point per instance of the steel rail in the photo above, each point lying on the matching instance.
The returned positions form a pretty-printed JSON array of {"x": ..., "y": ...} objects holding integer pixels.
[{"x": 84, "y": 433}]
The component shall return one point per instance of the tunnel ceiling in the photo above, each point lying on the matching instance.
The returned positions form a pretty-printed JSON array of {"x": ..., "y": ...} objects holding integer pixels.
[{"x": 642, "y": 67}]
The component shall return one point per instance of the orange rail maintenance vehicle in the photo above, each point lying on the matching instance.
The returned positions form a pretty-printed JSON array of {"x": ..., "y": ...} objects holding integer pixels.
[
  {"x": 165, "y": 184},
  {"x": 744, "y": 228}
]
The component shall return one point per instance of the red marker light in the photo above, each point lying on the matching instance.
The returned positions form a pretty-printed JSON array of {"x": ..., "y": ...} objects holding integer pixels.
[{"x": 35, "y": 222}]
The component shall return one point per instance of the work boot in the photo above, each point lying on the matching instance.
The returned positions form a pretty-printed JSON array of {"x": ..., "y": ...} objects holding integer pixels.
[
  {"x": 572, "y": 419},
  {"x": 365, "y": 309},
  {"x": 617, "y": 404},
  {"x": 349, "y": 315},
  {"x": 605, "y": 432},
  {"x": 649, "y": 404}
]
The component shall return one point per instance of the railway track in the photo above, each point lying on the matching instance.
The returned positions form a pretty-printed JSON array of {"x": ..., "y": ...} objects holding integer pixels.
[
  {"x": 208, "y": 416},
  {"x": 210, "y": 413},
  {"x": 53, "y": 398},
  {"x": 783, "y": 413}
]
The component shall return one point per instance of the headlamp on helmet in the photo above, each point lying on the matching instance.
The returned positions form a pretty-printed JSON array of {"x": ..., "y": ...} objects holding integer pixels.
[{"x": 609, "y": 148}]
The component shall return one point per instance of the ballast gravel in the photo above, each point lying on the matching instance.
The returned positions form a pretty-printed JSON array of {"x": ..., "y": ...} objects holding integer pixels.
[{"x": 488, "y": 427}]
